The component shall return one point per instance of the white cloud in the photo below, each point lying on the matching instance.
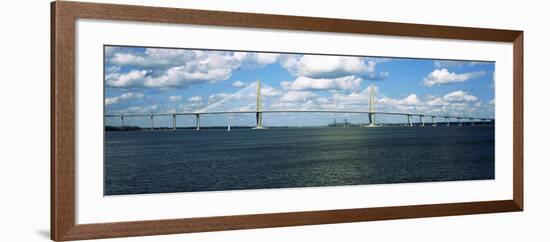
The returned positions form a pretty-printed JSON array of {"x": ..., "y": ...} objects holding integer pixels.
[
  {"x": 180, "y": 68},
  {"x": 436, "y": 101},
  {"x": 410, "y": 100},
  {"x": 127, "y": 59},
  {"x": 211, "y": 69},
  {"x": 319, "y": 66},
  {"x": 132, "y": 78},
  {"x": 253, "y": 59},
  {"x": 195, "y": 99},
  {"x": 306, "y": 83},
  {"x": 123, "y": 97},
  {"x": 177, "y": 68},
  {"x": 444, "y": 77},
  {"x": 459, "y": 96},
  {"x": 152, "y": 57},
  {"x": 266, "y": 58},
  {"x": 239, "y": 84},
  {"x": 175, "y": 98},
  {"x": 296, "y": 96}
]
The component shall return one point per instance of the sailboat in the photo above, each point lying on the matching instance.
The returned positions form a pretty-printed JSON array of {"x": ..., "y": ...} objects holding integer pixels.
[{"x": 228, "y": 127}]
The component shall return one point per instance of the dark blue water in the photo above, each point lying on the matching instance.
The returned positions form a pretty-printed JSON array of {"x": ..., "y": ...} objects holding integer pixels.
[{"x": 211, "y": 160}]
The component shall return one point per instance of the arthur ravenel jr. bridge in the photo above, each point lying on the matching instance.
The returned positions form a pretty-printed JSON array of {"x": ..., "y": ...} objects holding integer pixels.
[{"x": 444, "y": 120}]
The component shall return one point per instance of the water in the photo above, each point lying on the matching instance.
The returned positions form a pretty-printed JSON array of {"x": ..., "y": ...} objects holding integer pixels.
[{"x": 139, "y": 162}]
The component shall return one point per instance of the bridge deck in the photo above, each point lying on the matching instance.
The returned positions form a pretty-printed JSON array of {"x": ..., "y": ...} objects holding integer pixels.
[{"x": 295, "y": 111}]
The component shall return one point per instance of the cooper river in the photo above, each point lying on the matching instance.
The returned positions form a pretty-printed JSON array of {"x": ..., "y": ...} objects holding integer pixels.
[{"x": 139, "y": 162}]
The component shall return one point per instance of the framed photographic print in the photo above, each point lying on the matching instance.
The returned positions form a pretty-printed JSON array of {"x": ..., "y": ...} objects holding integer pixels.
[{"x": 173, "y": 121}]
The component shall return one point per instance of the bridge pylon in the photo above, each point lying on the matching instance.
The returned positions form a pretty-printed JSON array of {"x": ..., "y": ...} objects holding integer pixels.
[
  {"x": 174, "y": 122},
  {"x": 198, "y": 121},
  {"x": 372, "y": 107},
  {"x": 258, "y": 105}
]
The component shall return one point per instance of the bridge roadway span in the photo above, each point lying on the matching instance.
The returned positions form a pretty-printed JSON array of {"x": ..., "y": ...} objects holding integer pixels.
[
  {"x": 294, "y": 111},
  {"x": 260, "y": 112}
]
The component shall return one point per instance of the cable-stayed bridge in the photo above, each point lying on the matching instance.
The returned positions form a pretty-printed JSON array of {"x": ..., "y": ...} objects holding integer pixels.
[{"x": 371, "y": 112}]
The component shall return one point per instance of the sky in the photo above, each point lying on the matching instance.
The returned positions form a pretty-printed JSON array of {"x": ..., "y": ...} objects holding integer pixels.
[{"x": 163, "y": 80}]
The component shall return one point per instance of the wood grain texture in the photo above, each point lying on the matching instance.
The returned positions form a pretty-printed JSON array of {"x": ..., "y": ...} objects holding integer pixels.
[
  {"x": 518, "y": 121},
  {"x": 53, "y": 161},
  {"x": 63, "y": 123},
  {"x": 268, "y": 21},
  {"x": 63, "y": 18},
  {"x": 173, "y": 226}
]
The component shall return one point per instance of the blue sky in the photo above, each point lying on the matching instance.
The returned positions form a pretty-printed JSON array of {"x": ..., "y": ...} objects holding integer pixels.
[{"x": 163, "y": 80}]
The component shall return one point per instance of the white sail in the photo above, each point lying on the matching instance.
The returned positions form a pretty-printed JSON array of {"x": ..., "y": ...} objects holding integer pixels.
[{"x": 229, "y": 127}]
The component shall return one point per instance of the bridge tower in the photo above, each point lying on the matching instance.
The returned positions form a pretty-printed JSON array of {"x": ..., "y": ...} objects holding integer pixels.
[
  {"x": 258, "y": 105},
  {"x": 198, "y": 121},
  {"x": 174, "y": 122},
  {"x": 372, "y": 107}
]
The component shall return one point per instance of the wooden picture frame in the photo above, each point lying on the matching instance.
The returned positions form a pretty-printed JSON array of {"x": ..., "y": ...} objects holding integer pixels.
[{"x": 63, "y": 18}]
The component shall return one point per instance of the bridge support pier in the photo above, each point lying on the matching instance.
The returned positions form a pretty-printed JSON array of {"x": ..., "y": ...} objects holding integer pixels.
[
  {"x": 372, "y": 120},
  {"x": 174, "y": 122},
  {"x": 258, "y": 121},
  {"x": 433, "y": 121},
  {"x": 422, "y": 124},
  {"x": 198, "y": 121},
  {"x": 122, "y": 122},
  {"x": 459, "y": 121},
  {"x": 409, "y": 120},
  {"x": 447, "y": 121},
  {"x": 152, "y": 123}
]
